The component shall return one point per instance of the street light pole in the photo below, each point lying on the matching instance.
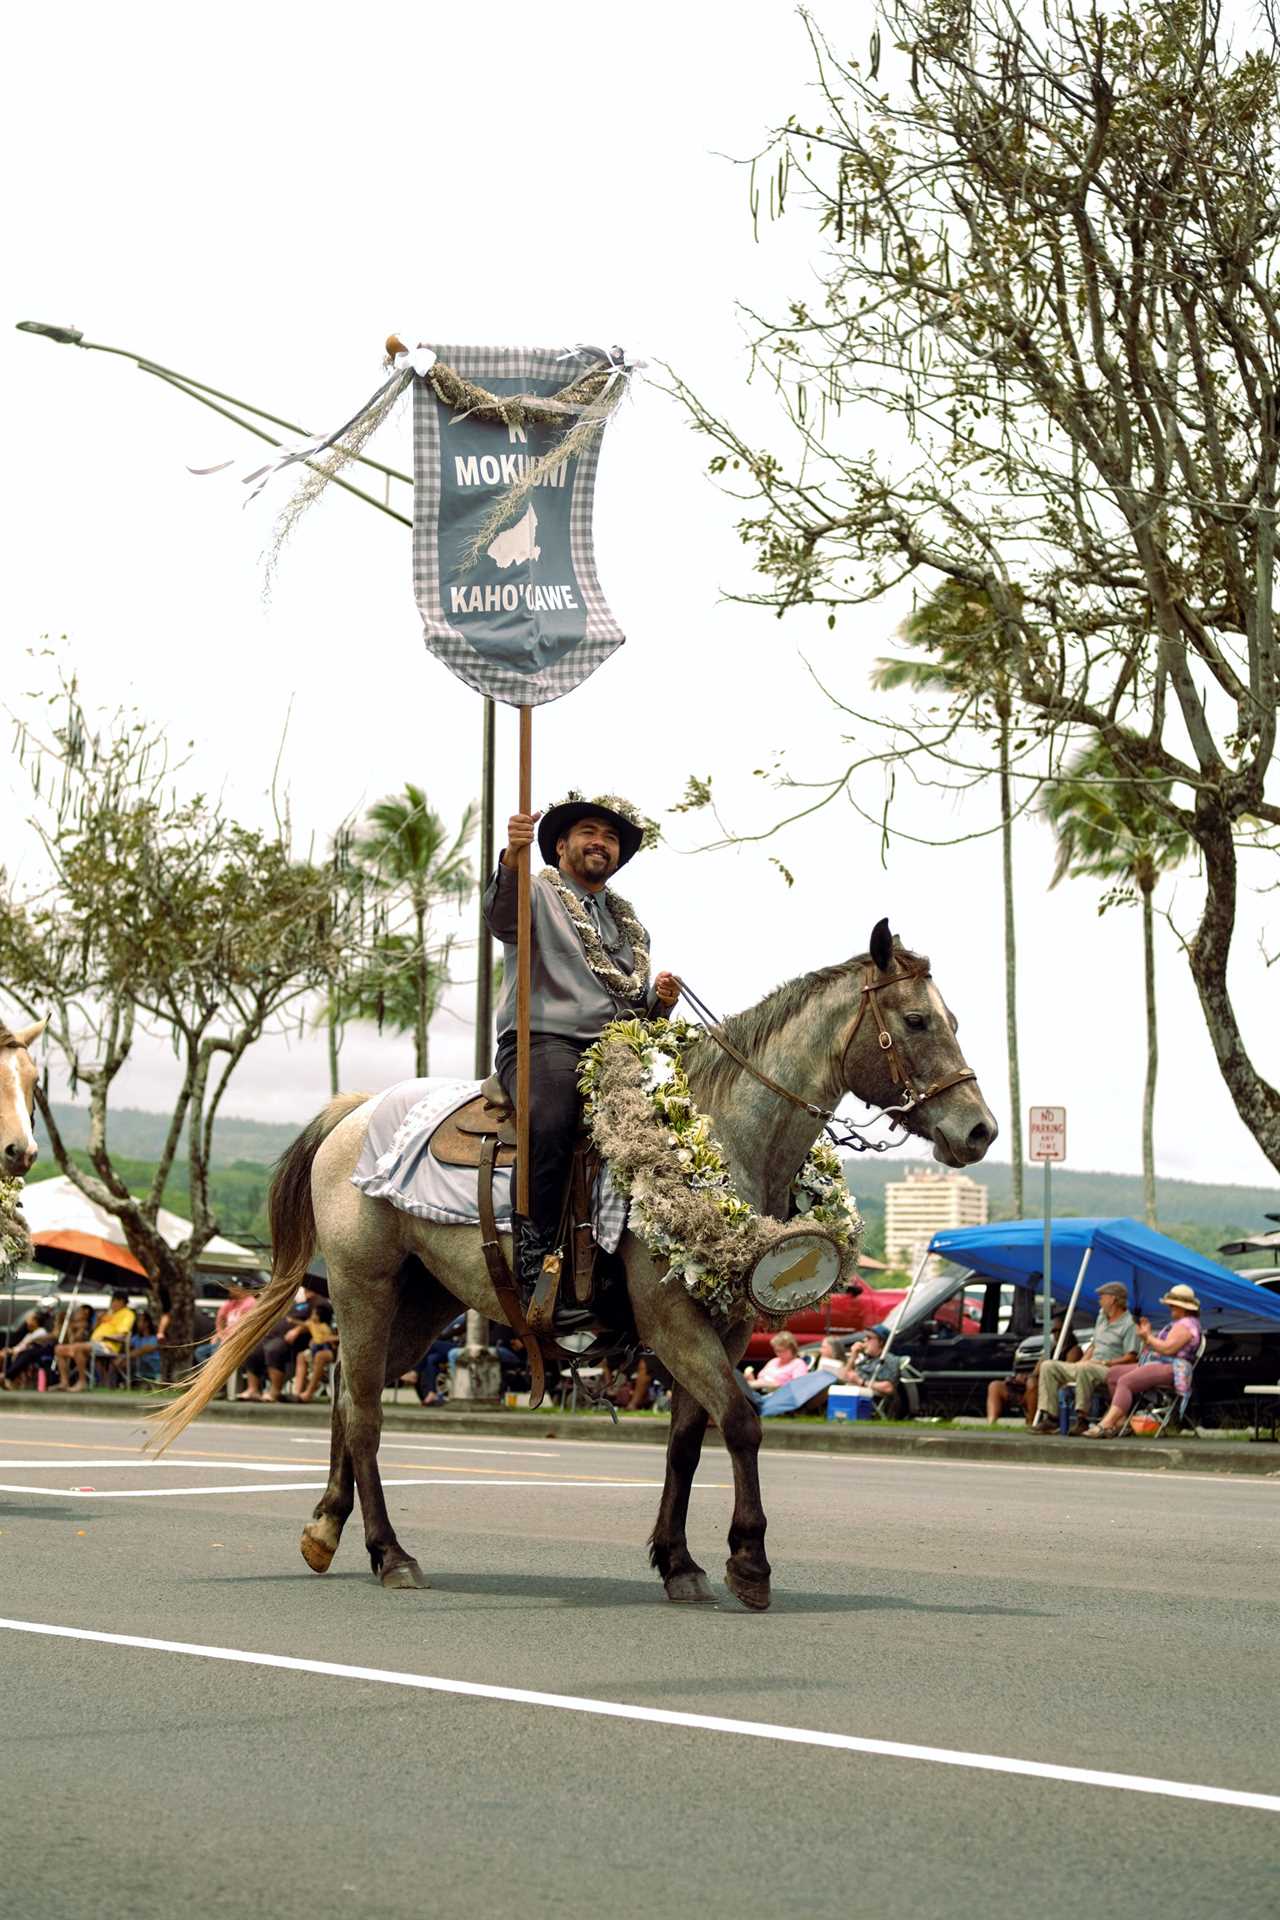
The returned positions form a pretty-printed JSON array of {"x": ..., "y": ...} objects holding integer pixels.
[{"x": 222, "y": 403}]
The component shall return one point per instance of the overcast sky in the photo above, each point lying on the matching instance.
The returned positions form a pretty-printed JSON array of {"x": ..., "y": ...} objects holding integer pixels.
[{"x": 256, "y": 196}]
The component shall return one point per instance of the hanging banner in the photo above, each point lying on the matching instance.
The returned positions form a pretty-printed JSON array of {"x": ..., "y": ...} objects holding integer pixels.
[{"x": 503, "y": 564}]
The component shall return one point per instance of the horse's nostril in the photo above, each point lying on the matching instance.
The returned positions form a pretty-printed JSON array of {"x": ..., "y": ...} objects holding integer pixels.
[{"x": 980, "y": 1134}]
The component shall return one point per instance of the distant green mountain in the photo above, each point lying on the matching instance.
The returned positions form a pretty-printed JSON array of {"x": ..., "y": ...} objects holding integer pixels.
[
  {"x": 1196, "y": 1213},
  {"x": 136, "y": 1135}
]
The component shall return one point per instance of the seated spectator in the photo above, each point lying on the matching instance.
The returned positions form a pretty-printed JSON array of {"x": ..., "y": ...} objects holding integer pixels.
[
  {"x": 144, "y": 1349},
  {"x": 1168, "y": 1360},
  {"x": 276, "y": 1354},
  {"x": 831, "y": 1356},
  {"x": 1113, "y": 1343},
  {"x": 33, "y": 1347},
  {"x": 322, "y": 1350},
  {"x": 108, "y": 1338},
  {"x": 785, "y": 1365},
  {"x": 238, "y": 1302},
  {"x": 628, "y": 1391},
  {"x": 426, "y": 1375},
  {"x": 77, "y": 1328},
  {"x": 868, "y": 1364},
  {"x": 1022, "y": 1389}
]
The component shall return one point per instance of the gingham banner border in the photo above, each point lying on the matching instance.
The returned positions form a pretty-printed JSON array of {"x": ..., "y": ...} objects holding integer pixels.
[{"x": 603, "y": 635}]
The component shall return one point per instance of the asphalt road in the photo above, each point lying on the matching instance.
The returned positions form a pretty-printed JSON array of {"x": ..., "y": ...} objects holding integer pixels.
[{"x": 1112, "y": 1623}]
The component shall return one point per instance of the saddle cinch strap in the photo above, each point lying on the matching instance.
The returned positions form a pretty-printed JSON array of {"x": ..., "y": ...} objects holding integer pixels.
[{"x": 482, "y": 1135}]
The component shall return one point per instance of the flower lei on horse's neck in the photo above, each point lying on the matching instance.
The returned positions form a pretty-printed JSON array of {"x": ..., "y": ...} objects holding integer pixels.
[
  {"x": 663, "y": 1155},
  {"x": 633, "y": 986}
]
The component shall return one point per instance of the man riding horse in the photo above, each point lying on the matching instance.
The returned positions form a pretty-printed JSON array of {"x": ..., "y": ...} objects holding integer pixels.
[{"x": 590, "y": 965}]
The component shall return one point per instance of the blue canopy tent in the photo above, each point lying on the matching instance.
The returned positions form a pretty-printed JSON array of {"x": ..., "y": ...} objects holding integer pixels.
[{"x": 1147, "y": 1263}]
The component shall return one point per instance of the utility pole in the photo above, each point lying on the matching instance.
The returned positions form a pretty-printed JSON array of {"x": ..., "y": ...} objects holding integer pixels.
[{"x": 229, "y": 407}]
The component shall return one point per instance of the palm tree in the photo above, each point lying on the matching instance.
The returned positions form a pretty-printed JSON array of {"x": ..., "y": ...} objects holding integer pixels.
[
  {"x": 411, "y": 861},
  {"x": 959, "y": 630},
  {"x": 1108, "y": 829}
]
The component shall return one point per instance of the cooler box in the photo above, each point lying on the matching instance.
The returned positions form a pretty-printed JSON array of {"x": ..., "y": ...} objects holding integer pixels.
[{"x": 851, "y": 1403}]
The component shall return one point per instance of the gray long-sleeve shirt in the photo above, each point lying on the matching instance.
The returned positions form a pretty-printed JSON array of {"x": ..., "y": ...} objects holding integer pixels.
[{"x": 566, "y": 997}]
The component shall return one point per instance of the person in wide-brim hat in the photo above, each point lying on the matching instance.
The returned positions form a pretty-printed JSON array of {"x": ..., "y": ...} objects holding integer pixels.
[
  {"x": 556, "y": 822},
  {"x": 1182, "y": 1299},
  {"x": 588, "y": 967},
  {"x": 1168, "y": 1360}
]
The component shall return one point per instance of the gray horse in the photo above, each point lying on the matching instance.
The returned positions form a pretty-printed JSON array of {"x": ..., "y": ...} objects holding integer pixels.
[{"x": 875, "y": 1026}]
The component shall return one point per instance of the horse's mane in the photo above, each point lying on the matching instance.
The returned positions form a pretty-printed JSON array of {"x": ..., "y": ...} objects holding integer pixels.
[{"x": 751, "y": 1030}]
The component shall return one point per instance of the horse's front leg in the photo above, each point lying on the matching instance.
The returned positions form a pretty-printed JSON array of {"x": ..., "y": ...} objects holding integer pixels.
[
  {"x": 681, "y": 1334},
  {"x": 365, "y": 1307},
  {"x": 684, "y": 1580}
]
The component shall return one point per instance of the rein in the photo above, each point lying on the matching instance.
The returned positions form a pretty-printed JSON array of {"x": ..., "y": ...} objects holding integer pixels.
[{"x": 898, "y": 1072}]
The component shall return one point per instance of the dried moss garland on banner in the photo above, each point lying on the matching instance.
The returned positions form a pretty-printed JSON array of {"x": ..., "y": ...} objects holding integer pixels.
[
  {"x": 662, "y": 1153},
  {"x": 582, "y": 407}
]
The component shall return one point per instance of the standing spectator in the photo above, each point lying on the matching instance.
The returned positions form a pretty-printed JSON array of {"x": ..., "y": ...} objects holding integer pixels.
[
  {"x": 108, "y": 1338},
  {"x": 1114, "y": 1343},
  {"x": 1168, "y": 1361}
]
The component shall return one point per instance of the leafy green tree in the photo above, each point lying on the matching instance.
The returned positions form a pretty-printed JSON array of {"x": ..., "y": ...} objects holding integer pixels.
[
  {"x": 966, "y": 660},
  {"x": 154, "y": 913},
  {"x": 1041, "y": 363},
  {"x": 413, "y": 865},
  {"x": 1111, "y": 828}
]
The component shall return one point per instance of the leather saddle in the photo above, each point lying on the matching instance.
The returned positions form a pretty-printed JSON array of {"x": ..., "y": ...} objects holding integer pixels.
[
  {"x": 482, "y": 1135},
  {"x": 459, "y": 1139}
]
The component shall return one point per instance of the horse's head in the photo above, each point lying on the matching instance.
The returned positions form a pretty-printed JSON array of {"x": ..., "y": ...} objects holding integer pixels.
[
  {"x": 17, "y": 1099},
  {"x": 908, "y": 1055}
]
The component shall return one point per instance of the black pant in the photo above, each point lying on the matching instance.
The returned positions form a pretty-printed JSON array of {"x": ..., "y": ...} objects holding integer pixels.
[{"x": 554, "y": 1114}]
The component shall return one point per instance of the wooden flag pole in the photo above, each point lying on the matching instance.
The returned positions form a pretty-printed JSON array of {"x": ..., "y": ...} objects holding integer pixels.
[{"x": 524, "y": 967}]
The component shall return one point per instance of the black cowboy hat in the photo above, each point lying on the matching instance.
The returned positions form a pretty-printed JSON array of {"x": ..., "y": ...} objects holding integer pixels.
[{"x": 557, "y": 820}]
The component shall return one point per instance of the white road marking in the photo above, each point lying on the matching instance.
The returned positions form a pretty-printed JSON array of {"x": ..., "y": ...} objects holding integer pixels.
[
  {"x": 667, "y": 1717},
  {"x": 402, "y": 1442},
  {"x": 297, "y": 1486},
  {"x": 173, "y": 1461}
]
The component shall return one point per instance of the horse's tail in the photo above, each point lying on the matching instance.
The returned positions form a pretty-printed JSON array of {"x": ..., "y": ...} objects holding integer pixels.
[{"x": 293, "y": 1240}]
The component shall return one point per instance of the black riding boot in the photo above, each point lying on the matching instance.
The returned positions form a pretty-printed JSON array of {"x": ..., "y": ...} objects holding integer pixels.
[{"x": 531, "y": 1247}]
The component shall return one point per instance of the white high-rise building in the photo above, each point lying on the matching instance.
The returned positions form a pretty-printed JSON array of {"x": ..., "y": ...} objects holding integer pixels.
[{"x": 919, "y": 1206}]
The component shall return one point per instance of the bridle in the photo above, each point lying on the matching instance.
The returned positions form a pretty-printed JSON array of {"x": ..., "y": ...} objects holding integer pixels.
[{"x": 873, "y": 983}]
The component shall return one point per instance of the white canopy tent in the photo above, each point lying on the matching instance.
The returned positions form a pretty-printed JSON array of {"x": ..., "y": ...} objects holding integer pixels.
[{"x": 64, "y": 1220}]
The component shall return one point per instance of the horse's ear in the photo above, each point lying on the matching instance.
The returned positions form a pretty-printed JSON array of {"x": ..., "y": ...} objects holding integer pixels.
[
  {"x": 25, "y": 1037},
  {"x": 882, "y": 945}
]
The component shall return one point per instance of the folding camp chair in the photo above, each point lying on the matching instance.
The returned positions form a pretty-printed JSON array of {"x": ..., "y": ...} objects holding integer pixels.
[{"x": 1165, "y": 1401}]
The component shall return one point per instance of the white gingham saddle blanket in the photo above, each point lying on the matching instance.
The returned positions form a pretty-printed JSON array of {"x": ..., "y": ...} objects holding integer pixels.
[{"x": 395, "y": 1164}]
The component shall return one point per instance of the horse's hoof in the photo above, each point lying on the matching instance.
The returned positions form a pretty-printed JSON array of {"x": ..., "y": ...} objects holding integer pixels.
[
  {"x": 691, "y": 1589},
  {"x": 754, "y": 1595},
  {"x": 317, "y": 1553},
  {"x": 404, "y": 1575}
]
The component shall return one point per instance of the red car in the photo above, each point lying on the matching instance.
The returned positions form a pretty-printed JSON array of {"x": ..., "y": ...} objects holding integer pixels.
[
  {"x": 845, "y": 1314},
  {"x": 842, "y": 1313}
]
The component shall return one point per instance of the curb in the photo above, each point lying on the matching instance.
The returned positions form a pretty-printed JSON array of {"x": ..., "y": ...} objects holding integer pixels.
[{"x": 1261, "y": 1461}]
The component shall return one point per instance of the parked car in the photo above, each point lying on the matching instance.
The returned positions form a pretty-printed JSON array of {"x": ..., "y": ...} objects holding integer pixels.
[{"x": 999, "y": 1332}]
